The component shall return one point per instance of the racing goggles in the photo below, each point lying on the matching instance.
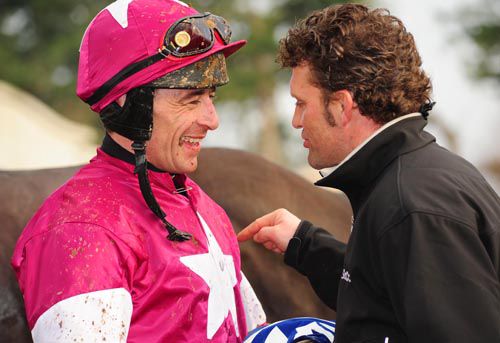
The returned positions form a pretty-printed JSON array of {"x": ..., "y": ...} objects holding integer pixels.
[
  {"x": 188, "y": 36},
  {"x": 195, "y": 35}
]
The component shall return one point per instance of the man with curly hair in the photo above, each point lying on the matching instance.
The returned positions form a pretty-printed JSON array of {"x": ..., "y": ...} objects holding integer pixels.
[{"x": 422, "y": 263}]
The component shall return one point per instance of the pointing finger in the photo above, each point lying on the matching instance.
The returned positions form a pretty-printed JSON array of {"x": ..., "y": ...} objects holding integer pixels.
[{"x": 256, "y": 226}]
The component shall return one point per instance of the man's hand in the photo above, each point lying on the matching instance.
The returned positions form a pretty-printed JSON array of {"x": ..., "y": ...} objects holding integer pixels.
[{"x": 274, "y": 230}]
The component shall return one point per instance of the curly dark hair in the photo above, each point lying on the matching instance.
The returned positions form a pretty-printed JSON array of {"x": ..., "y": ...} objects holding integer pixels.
[{"x": 368, "y": 52}]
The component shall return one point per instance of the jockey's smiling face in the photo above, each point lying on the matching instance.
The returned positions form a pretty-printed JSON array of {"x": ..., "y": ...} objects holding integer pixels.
[{"x": 182, "y": 118}]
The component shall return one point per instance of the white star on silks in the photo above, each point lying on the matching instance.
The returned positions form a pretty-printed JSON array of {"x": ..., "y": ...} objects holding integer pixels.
[
  {"x": 119, "y": 11},
  {"x": 217, "y": 270}
]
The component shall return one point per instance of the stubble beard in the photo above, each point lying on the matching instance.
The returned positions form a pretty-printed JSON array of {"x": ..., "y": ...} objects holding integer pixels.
[{"x": 314, "y": 162}]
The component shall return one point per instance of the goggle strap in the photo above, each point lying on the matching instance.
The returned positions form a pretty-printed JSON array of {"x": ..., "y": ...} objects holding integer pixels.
[{"x": 124, "y": 74}]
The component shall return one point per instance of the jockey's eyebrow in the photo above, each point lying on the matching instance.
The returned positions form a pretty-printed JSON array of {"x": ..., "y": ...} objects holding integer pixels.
[{"x": 195, "y": 93}]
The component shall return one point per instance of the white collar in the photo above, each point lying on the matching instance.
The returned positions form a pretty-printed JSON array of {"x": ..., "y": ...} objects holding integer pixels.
[{"x": 327, "y": 171}]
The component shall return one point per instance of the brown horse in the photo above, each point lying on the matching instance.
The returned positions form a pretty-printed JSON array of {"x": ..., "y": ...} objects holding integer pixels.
[{"x": 245, "y": 185}]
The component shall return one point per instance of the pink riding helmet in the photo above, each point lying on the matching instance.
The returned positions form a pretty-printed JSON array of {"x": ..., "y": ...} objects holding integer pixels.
[{"x": 128, "y": 32}]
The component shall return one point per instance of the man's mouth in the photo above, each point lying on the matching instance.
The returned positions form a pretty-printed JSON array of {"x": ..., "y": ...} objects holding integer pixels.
[
  {"x": 306, "y": 142},
  {"x": 191, "y": 140}
]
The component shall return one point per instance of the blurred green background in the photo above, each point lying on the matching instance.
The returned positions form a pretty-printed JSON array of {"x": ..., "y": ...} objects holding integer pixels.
[{"x": 39, "y": 41}]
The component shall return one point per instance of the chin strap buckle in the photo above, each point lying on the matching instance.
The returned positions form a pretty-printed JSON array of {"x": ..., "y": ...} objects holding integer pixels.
[
  {"x": 176, "y": 235},
  {"x": 139, "y": 148}
]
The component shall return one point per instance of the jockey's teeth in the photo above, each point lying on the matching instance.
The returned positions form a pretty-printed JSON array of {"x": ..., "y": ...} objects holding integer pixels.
[{"x": 191, "y": 140}]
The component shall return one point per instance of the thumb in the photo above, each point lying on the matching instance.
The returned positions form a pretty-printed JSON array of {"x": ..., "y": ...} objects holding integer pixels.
[
  {"x": 267, "y": 233},
  {"x": 271, "y": 234}
]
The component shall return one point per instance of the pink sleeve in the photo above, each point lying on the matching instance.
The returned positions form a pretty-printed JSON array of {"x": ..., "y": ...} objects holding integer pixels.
[{"x": 72, "y": 259}]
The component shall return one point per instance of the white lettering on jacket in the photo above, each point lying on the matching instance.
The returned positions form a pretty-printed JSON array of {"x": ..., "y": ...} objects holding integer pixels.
[{"x": 346, "y": 276}]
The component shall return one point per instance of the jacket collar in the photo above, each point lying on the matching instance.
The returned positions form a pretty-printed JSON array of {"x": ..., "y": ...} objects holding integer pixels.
[{"x": 358, "y": 171}]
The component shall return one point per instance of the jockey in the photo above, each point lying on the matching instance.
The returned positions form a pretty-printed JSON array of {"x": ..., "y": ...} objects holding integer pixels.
[{"x": 130, "y": 248}]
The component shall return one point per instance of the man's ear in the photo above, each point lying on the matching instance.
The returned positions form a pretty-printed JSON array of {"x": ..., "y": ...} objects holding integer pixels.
[{"x": 341, "y": 105}]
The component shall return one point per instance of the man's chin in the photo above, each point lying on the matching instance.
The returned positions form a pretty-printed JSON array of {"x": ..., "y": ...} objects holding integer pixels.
[
  {"x": 319, "y": 165},
  {"x": 190, "y": 166},
  {"x": 322, "y": 161},
  {"x": 313, "y": 162}
]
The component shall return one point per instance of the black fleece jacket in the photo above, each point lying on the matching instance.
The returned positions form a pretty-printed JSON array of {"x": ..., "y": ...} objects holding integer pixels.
[{"x": 423, "y": 260}]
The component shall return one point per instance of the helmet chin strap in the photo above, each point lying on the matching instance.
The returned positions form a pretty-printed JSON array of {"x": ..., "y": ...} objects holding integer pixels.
[
  {"x": 142, "y": 173},
  {"x": 135, "y": 121}
]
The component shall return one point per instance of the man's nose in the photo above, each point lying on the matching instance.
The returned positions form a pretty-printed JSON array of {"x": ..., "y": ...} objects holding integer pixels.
[
  {"x": 209, "y": 117},
  {"x": 297, "y": 119}
]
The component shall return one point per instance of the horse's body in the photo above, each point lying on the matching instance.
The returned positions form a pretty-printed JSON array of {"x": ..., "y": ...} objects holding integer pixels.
[{"x": 245, "y": 185}]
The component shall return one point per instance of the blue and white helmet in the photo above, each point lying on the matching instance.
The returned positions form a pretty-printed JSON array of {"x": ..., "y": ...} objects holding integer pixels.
[{"x": 294, "y": 330}]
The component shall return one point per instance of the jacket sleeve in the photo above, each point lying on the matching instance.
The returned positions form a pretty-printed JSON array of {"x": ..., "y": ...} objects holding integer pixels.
[
  {"x": 316, "y": 254},
  {"x": 76, "y": 280},
  {"x": 440, "y": 280}
]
